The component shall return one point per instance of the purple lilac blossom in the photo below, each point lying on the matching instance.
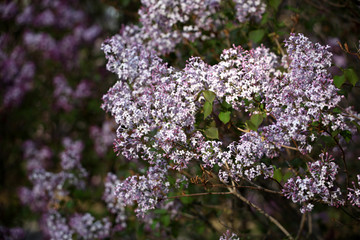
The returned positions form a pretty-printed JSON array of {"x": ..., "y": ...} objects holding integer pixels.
[
  {"x": 71, "y": 156},
  {"x": 354, "y": 193},
  {"x": 56, "y": 227},
  {"x": 146, "y": 191},
  {"x": 229, "y": 236},
  {"x": 319, "y": 184},
  {"x": 246, "y": 9},
  {"x": 17, "y": 73},
  {"x": 166, "y": 23},
  {"x": 36, "y": 158},
  {"x": 15, "y": 233},
  {"x": 113, "y": 204},
  {"x": 87, "y": 228},
  {"x": 103, "y": 137},
  {"x": 48, "y": 188}
]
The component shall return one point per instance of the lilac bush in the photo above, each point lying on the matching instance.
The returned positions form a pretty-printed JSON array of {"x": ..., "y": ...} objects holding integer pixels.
[{"x": 155, "y": 107}]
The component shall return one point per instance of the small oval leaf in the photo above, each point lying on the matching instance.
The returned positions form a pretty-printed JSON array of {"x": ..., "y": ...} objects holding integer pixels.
[
  {"x": 339, "y": 81},
  {"x": 257, "y": 35},
  {"x": 212, "y": 133},
  {"x": 225, "y": 117},
  {"x": 207, "y": 109},
  {"x": 351, "y": 76},
  {"x": 209, "y": 96}
]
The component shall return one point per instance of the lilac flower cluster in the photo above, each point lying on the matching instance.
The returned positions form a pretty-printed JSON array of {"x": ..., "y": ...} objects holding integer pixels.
[
  {"x": 354, "y": 193},
  {"x": 103, "y": 137},
  {"x": 71, "y": 156},
  {"x": 49, "y": 188},
  {"x": 65, "y": 96},
  {"x": 56, "y": 227},
  {"x": 87, "y": 228},
  {"x": 36, "y": 158},
  {"x": 246, "y": 9},
  {"x": 12, "y": 233},
  {"x": 115, "y": 206},
  {"x": 304, "y": 93},
  {"x": 79, "y": 226},
  {"x": 146, "y": 191},
  {"x": 243, "y": 158},
  {"x": 33, "y": 21},
  {"x": 229, "y": 236},
  {"x": 165, "y": 23},
  {"x": 318, "y": 185},
  {"x": 17, "y": 72}
]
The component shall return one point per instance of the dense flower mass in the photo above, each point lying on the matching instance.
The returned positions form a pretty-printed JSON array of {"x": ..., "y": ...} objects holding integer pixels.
[
  {"x": 48, "y": 187},
  {"x": 246, "y": 9},
  {"x": 319, "y": 184},
  {"x": 18, "y": 68},
  {"x": 166, "y": 23},
  {"x": 354, "y": 193},
  {"x": 114, "y": 205},
  {"x": 155, "y": 107}
]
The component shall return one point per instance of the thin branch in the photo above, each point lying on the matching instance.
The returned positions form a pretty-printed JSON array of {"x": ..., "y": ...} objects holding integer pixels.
[
  {"x": 349, "y": 114},
  {"x": 257, "y": 187},
  {"x": 242, "y": 130},
  {"x": 302, "y": 224},
  {"x": 275, "y": 39},
  {"x": 309, "y": 225},
  {"x": 344, "y": 161},
  {"x": 273, "y": 220},
  {"x": 200, "y": 194}
]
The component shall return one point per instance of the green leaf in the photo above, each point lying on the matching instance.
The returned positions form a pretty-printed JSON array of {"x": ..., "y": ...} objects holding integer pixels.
[
  {"x": 275, "y": 3},
  {"x": 255, "y": 121},
  {"x": 277, "y": 175},
  {"x": 335, "y": 133},
  {"x": 287, "y": 175},
  {"x": 70, "y": 204},
  {"x": 346, "y": 134},
  {"x": 339, "y": 81},
  {"x": 226, "y": 105},
  {"x": 160, "y": 211},
  {"x": 212, "y": 133},
  {"x": 296, "y": 162},
  {"x": 187, "y": 200},
  {"x": 165, "y": 220},
  {"x": 153, "y": 225},
  {"x": 336, "y": 110},
  {"x": 296, "y": 10},
  {"x": 224, "y": 117},
  {"x": 209, "y": 96},
  {"x": 207, "y": 109},
  {"x": 343, "y": 92},
  {"x": 264, "y": 19},
  {"x": 351, "y": 76},
  {"x": 257, "y": 35}
]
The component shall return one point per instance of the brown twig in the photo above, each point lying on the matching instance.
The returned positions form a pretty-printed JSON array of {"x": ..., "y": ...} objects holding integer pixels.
[
  {"x": 345, "y": 48},
  {"x": 309, "y": 225},
  {"x": 302, "y": 224},
  {"x": 273, "y": 220},
  {"x": 199, "y": 194}
]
